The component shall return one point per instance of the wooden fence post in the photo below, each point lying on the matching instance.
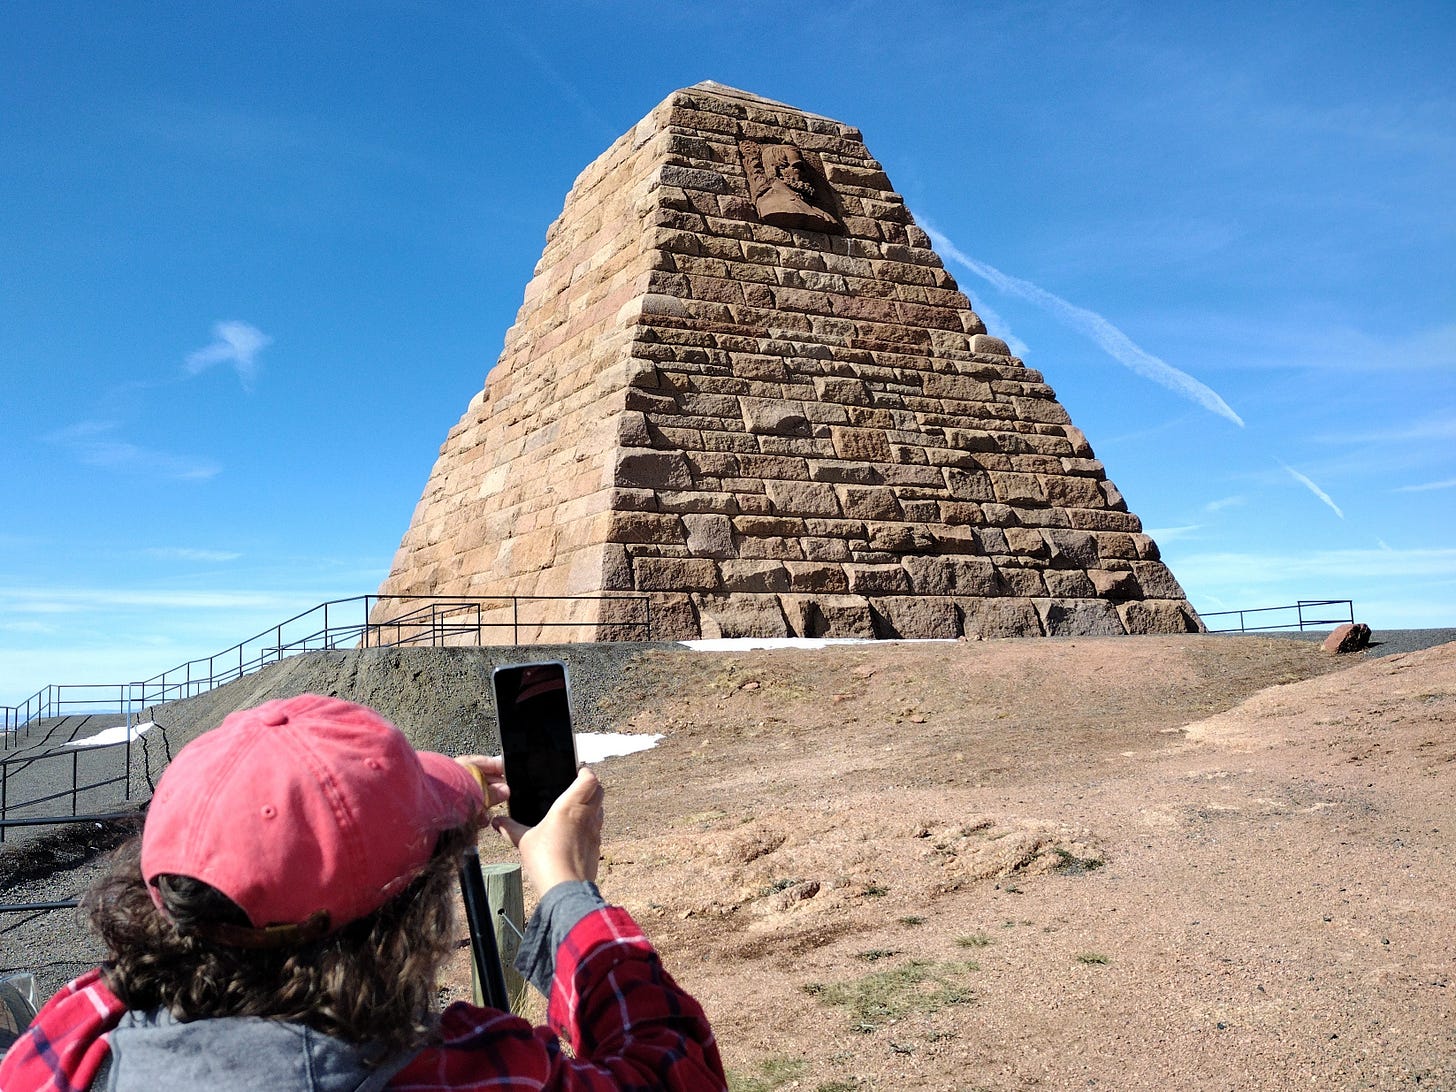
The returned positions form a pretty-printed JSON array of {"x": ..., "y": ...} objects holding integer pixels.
[{"x": 507, "y": 901}]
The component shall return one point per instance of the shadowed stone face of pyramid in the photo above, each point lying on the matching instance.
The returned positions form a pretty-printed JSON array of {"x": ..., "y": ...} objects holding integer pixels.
[{"x": 742, "y": 382}]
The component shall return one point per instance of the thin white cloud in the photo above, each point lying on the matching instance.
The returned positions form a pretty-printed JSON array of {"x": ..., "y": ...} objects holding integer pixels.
[
  {"x": 1327, "y": 566},
  {"x": 1449, "y": 483},
  {"x": 1305, "y": 481},
  {"x": 1430, "y": 428},
  {"x": 1224, "y": 502},
  {"x": 26, "y": 600},
  {"x": 94, "y": 443},
  {"x": 237, "y": 344},
  {"x": 184, "y": 553},
  {"x": 1112, "y": 340}
]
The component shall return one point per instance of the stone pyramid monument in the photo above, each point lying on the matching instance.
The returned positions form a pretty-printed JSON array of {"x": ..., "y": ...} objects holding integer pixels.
[{"x": 743, "y": 383}]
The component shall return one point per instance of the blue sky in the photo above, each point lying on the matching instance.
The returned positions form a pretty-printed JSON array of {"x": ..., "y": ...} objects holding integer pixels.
[{"x": 258, "y": 258}]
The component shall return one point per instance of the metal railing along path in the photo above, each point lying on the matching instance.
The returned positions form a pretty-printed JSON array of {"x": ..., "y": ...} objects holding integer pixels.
[
  {"x": 406, "y": 621},
  {"x": 1301, "y": 620},
  {"x": 428, "y": 621}
]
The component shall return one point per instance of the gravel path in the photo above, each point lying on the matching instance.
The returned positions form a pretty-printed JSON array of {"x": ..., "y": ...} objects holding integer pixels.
[{"x": 1383, "y": 642}]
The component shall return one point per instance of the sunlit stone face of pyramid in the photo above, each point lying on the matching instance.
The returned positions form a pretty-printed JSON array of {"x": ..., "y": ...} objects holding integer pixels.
[{"x": 742, "y": 382}]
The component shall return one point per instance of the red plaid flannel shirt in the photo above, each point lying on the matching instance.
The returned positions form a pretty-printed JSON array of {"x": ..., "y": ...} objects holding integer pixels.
[{"x": 629, "y": 1025}]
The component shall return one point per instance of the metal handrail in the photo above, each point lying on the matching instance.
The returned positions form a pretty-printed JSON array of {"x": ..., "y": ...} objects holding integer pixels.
[
  {"x": 431, "y": 621},
  {"x": 436, "y": 621},
  {"x": 1301, "y": 622}
]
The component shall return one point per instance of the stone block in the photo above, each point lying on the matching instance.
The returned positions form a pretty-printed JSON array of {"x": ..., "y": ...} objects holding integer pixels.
[
  {"x": 1066, "y": 492},
  {"x": 1147, "y": 549},
  {"x": 756, "y": 525},
  {"x": 849, "y": 391},
  {"x": 958, "y": 540},
  {"x": 951, "y": 575},
  {"x": 723, "y": 616},
  {"x": 709, "y": 535},
  {"x": 960, "y": 387},
  {"x": 992, "y": 346},
  {"x": 1019, "y": 489},
  {"x": 670, "y": 617},
  {"x": 1159, "y": 616},
  {"x": 675, "y": 574},
  {"x": 969, "y": 485},
  {"x": 1114, "y": 585},
  {"x": 816, "y": 576},
  {"x": 1114, "y": 496},
  {"x": 642, "y": 469},
  {"x": 825, "y": 549},
  {"x": 754, "y": 576},
  {"x": 877, "y": 580},
  {"x": 916, "y": 618},
  {"x": 721, "y": 503},
  {"x": 1156, "y": 580},
  {"x": 1026, "y": 542},
  {"x": 1071, "y": 549},
  {"x": 778, "y": 549},
  {"x": 1000, "y": 617},
  {"x": 923, "y": 476},
  {"x": 1093, "y": 519},
  {"x": 900, "y": 538},
  {"x": 1028, "y": 583},
  {"x": 836, "y": 471},
  {"x": 803, "y": 498},
  {"x": 1079, "y": 618},
  {"x": 834, "y": 616},
  {"x": 1113, "y": 544},
  {"x": 1068, "y": 584},
  {"x": 774, "y": 417},
  {"x": 869, "y": 502},
  {"x": 861, "y": 444},
  {"x": 646, "y": 527}
]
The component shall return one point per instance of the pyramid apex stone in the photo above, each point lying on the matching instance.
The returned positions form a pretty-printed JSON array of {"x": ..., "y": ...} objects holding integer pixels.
[{"x": 742, "y": 383}]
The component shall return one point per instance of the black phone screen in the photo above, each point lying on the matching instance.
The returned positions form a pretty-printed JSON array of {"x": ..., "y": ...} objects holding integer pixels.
[{"x": 533, "y": 708}]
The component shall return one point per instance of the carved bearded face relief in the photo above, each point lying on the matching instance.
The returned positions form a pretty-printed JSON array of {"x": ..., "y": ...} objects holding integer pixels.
[
  {"x": 787, "y": 190},
  {"x": 792, "y": 173}
]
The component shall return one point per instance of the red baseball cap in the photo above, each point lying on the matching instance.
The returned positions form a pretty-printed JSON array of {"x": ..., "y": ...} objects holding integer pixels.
[{"x": 304, "y": 805}]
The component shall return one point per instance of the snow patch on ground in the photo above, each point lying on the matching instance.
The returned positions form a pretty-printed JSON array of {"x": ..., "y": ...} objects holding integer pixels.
[
  {"x": 111, "y": 736},
  {"x": 595, "y": 746}
]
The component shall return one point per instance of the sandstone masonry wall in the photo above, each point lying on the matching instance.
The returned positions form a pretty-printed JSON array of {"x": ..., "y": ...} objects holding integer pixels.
[{"x": 772, "y": 431}]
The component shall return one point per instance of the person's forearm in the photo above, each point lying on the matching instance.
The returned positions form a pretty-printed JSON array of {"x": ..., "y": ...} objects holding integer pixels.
[
  {"x": 622, "y": 1012},
  {"x": 558, "y": 912}
]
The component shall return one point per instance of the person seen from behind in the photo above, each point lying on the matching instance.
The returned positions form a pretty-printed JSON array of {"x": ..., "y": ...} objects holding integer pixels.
[{"x": 281, "y": 920}]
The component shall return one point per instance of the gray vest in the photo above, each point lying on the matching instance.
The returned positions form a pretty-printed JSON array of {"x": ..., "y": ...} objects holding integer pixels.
[{"x": 153, "y": 1052}]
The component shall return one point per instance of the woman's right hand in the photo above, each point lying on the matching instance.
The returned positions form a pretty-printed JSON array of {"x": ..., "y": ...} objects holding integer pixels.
[{"x": 567, "y": 843}]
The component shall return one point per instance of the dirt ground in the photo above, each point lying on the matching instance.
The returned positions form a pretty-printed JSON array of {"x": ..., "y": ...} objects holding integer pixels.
[{"x": 1184, "y": 862}]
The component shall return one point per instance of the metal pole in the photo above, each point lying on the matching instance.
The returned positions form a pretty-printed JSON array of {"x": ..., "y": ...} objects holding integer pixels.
[
  {"x": 482, "y": 932},
  {"x": 126, "y": 713}
]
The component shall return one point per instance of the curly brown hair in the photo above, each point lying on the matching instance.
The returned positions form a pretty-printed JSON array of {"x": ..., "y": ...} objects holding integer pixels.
[{"x": 372, "y": 981}]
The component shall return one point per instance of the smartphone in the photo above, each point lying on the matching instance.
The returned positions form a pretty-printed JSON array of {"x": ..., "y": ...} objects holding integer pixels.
[{"x": 533, "y": 710}]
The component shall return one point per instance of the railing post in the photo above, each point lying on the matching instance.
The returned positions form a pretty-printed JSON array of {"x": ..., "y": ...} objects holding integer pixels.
[
  {"x": 126, "y": 702},
  {"x": 515, "y": 620}
]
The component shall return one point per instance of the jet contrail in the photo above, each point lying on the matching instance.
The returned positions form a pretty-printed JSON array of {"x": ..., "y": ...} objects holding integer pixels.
[
  {"x": 1316, "y": 490},
  {"x": 1113, "y": 341}
]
